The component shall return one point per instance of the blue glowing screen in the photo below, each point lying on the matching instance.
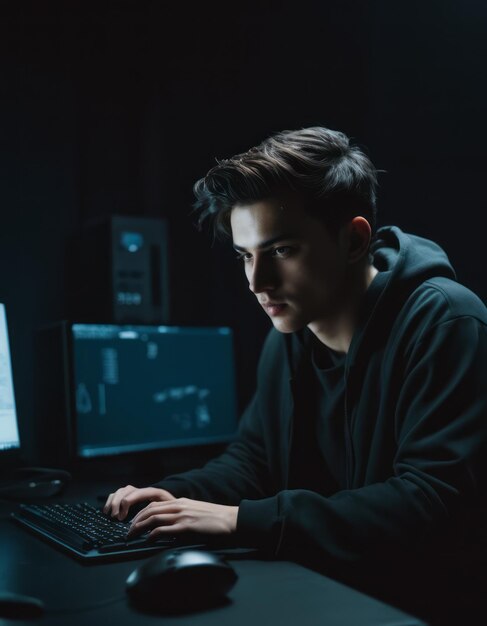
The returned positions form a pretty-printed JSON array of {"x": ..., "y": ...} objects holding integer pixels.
[{"x": 147, "y": 387}]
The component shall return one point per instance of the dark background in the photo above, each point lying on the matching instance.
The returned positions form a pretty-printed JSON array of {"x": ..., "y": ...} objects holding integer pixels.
[{"x": 118, "y": 107}]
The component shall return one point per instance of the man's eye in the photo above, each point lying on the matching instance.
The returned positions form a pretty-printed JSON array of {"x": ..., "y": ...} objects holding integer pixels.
[
  {"x": 244, "y": 256},
  {"x": 282, "y": 250}
]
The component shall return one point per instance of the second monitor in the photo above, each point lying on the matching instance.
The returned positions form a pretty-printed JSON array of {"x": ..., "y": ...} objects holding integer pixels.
[{"x": 138, "y": 388}]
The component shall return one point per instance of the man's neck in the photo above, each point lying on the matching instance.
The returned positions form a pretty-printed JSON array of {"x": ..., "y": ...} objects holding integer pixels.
[{"x": 336, "y": 333}]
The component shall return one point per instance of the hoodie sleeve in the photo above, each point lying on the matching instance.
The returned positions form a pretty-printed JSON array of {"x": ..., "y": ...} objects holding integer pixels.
[{"x": 438, "y": 472}]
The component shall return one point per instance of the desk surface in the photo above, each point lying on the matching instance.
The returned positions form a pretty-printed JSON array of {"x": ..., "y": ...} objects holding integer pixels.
[{"x": 267, "y": 592}]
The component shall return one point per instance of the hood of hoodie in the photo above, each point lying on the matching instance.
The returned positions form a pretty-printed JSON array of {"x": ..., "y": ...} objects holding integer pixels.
[
  {"x": 410, "y": 259},
  {"x": 407, "y": 261}
]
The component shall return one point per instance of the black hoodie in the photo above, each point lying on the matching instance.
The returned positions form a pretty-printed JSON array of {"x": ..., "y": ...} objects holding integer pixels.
[{"x": 415, "y": 424}]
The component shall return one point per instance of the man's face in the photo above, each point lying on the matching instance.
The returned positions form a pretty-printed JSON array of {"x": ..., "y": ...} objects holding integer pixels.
[{"x": 296, "y": 271}]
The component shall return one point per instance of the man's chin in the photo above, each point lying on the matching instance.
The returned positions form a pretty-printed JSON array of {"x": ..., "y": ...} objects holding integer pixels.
[{"x": 286, "y": 326}]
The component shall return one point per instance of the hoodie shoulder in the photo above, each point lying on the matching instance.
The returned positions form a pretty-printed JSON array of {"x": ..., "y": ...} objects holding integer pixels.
[
  {"x": 458, "y": 300},
  {"x": 434, "y": 303}
]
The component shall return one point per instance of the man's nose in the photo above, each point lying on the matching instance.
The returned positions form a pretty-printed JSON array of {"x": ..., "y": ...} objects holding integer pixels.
[{"x": 261, "y": 276}]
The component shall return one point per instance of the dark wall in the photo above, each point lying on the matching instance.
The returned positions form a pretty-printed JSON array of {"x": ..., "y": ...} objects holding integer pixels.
[{"x": 118, "y": 107}]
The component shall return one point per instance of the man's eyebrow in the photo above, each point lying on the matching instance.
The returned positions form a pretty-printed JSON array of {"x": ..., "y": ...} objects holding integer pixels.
[{"x": 268, "y": 242}]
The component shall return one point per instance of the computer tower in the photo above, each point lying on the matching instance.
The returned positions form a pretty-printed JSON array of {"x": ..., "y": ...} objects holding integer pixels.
[{"x": 118, "y": 271}]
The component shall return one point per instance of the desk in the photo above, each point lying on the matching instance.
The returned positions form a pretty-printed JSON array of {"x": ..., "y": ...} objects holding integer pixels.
[{"x": 267, "y": 592}]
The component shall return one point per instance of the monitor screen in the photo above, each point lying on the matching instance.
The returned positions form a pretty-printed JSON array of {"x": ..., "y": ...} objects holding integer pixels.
[
  {"x": 141, "y": 388},
  {"x": 9, "y": 431}
]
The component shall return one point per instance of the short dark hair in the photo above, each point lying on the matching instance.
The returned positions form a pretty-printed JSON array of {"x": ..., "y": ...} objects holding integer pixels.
[{"x": 336, "y": 179}]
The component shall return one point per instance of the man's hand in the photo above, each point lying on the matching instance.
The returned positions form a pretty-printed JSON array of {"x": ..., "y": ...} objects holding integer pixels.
[
  {"x": 182, "y": 515},
  {"x": 119, "y": 503}
]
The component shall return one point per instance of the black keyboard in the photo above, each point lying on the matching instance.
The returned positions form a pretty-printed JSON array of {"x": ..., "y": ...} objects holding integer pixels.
[{"x": 86, "y": 531}]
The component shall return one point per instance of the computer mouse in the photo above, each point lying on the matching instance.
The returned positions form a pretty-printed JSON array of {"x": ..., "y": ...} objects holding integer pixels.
[
  {"x": 18, "y": 606},
  {"x": 181, "y": 579}
]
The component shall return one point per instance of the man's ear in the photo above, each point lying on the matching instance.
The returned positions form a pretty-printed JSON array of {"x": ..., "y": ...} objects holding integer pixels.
[{"x": 359, "y": 235}]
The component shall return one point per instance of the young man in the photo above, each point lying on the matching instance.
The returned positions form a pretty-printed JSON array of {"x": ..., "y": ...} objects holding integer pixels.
[{"x": 367, "y": 433}]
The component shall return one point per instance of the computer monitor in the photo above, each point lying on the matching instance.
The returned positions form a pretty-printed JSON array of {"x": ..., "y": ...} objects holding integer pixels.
[
  {"x": 9, "y": 430},
  {"x": 138, "y": 388}
]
